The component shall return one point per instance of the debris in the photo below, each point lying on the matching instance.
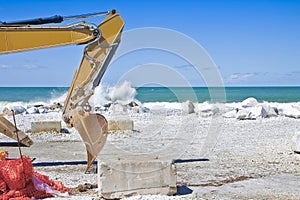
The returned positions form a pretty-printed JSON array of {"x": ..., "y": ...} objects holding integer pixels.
[
  {"x": 85, "y": 187},
  {"x": 3, "y": 155}
]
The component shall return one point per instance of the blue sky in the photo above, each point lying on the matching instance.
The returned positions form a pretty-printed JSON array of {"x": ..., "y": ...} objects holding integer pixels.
[{"x": 253, "y": 43}]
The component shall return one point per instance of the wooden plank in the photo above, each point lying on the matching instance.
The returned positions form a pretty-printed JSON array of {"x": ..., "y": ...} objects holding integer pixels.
[{"x": 9, "y": 130}]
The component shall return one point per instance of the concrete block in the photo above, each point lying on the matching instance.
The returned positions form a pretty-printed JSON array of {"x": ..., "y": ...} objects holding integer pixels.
[
  {"x": 120, "y": 124},
  {"x": 41, "y": 126},
  {"x": 121, "y": 179}
]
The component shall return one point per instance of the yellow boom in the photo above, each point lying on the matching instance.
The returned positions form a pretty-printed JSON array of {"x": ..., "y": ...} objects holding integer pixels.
[{"x": 101, "y": 42}]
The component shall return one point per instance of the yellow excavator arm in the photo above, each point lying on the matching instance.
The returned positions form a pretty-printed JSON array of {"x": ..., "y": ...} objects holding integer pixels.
[{"x": 101, "y": 42}]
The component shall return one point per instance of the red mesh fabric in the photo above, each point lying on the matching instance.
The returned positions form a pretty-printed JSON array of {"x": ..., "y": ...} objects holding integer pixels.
[
  {"x": 16, "y": 173},
  {"x": 16, "y": 181},
  {"x": 3, "y": 187},
  {"x": 56, "y": 185}
]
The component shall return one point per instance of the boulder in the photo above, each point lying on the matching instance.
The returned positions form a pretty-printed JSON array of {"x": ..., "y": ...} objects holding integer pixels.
[
  {"x": 230, "y": 114},
  {"x": 188, "y": 107},
  {"x": 107, "y": 105},
  {"x": 257, "y": 111},
  {"x": 16, "y": 109},
  {"x": 270, "y": 111},
  {"x": 145, "y": 109},
  {"x": 42, "y": 110},
  {"x": 32, "y": 110},
  {"x": 208, "y": 109},
  {"x": 133, "y": 104},
  {"x": 243, "y": 114},
  {"x": 289, "y": 111},
  {"x": 249, "y": 102}
]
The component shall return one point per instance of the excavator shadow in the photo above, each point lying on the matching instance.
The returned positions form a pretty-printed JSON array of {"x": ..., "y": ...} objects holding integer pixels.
[
  {"x": 183, "y": 190},
  {"x": 61, "y": 163},
  {"x": 190, "y": 160},
  {"x": 11, "y": 144}
]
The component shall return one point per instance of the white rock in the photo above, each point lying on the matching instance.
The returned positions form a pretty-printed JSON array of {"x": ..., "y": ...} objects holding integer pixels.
[
  {"x": 258, "y": 111},
  {"x": 42, "y": 110},
  {"x": 249, "y": 102},
  {"x": 289, "y": 111},
  {"x": 188, "y": 107},
  {"x": 270, "y": 111},
  {"x": 230, "y": 114},
  {"x": 32, "y": 110},
  {"x": 208, "y": 108},
  {"x": 145, "y": 109},
  {"x": 16, "y": 109},
  {"x": 204, "y": 107},
  {"x": 262, "y": 111},
  {"x": 244, "y": 114}
]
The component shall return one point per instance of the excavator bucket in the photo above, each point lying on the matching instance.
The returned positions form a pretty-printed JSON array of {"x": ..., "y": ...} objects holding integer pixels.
[
  {"x": 93, "y": 131},
  {"x": 9, "y": 130}
]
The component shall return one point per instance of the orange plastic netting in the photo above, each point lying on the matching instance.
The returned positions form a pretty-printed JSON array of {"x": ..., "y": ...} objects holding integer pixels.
[{"x": 19, "y": 181}]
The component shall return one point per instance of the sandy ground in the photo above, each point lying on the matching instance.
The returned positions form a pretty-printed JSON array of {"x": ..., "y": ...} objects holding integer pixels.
[{"x": 216, "y": 158}]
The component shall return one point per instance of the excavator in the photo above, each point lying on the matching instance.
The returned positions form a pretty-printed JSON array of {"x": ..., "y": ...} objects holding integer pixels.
[{"x": 101, "y": 41}]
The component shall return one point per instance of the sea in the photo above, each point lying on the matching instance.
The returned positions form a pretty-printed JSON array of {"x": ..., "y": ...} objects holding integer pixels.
[{"x": 161, "y": 94}]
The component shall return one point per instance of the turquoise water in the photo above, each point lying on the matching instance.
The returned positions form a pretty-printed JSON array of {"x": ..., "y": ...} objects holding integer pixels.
[
  {"x": 30, "y": 94},
  {"x": 233, "y": 94},
  {"x": 161, "y": 94}
]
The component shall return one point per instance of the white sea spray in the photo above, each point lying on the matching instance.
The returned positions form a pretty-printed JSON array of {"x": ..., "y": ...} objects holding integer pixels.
[{"x": 122, "y": 93}]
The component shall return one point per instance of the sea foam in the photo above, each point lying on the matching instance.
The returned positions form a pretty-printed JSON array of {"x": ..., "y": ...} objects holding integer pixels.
[{"x": 123, "y": 93}]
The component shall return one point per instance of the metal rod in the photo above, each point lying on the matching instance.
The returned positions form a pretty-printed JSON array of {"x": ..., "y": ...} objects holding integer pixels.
[
  {"x": 36, "y": 21},
  {"x": 19, "y": 146},
  {"x": 89, "y": 15},
  {"x": 53, "y": 19}
]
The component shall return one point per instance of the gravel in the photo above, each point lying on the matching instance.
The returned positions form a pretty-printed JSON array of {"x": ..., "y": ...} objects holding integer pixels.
[{"x": 219, "y": 158}]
